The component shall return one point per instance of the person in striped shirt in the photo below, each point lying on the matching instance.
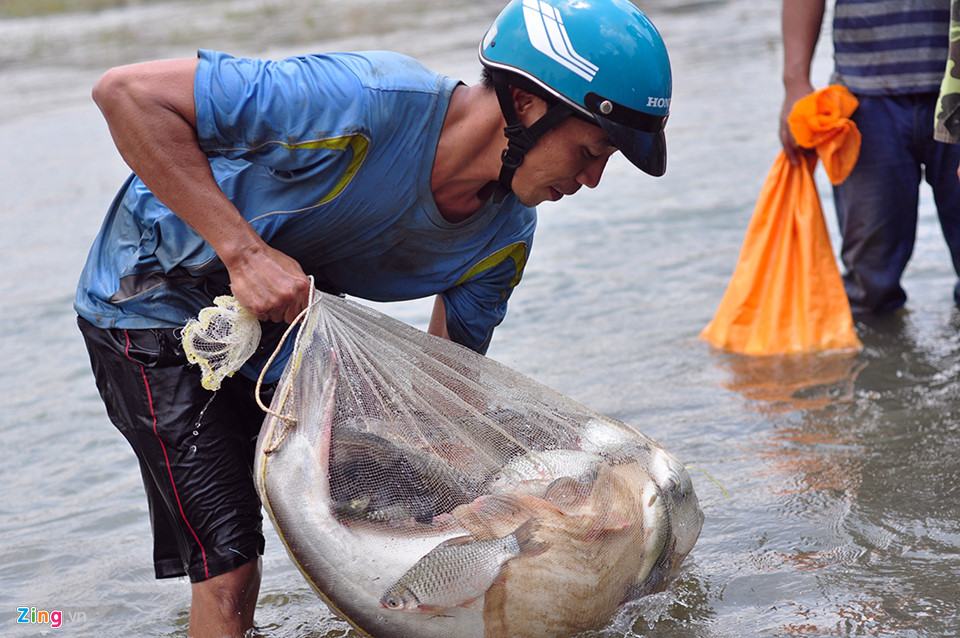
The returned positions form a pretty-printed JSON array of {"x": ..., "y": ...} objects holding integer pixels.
[{"x": 891, "y": 55}]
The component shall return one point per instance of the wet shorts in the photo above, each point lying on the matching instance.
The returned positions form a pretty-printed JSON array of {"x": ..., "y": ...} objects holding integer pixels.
[{"x": 195, "y": 448}]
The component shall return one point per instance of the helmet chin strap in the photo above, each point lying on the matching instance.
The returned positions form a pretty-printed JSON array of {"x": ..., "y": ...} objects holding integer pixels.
[{"x": 520, "y": 138}]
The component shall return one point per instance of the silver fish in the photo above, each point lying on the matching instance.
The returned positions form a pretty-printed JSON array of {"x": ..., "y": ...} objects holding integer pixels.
[
  {"x": 532, "y": 472},
  {"x": 459, "y": 571},
  {"x": 600, "y": 435}
]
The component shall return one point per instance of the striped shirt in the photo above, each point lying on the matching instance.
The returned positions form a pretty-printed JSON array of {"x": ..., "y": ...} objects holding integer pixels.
[{"x": 890, "y": 47}]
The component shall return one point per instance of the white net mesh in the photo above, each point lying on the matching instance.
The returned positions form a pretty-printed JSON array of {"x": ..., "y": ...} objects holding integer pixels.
[
  {"x": 425, "y": 490},
  {"x": 220, "y": 340}
]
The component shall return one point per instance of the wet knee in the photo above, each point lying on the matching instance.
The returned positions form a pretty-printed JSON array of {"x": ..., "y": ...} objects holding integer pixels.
[{"x": 229, "y": 596}]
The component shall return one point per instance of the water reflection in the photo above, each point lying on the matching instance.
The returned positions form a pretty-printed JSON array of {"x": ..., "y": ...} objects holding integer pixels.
[
  {"x": 858, "y": 464},
  {"x": 792, "y": 382}
]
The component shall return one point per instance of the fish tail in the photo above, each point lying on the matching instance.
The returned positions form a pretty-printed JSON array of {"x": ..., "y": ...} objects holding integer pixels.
[{"x": 525, "y": 541}]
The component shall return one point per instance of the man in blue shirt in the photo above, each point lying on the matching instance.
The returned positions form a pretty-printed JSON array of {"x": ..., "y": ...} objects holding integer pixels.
[{"x": 379, "y": 178}]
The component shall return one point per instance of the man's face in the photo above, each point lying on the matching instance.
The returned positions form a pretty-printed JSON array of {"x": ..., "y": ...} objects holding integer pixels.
[{"x": 568, "y": 156}]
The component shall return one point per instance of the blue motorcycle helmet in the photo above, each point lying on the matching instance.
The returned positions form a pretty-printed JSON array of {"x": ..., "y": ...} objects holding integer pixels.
[{"x": 600, "y": 60}]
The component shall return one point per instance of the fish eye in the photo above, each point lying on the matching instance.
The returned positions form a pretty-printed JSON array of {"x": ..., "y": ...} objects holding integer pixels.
[
  {"x": 392, "y": 601},
  {"x": 672, "y": 482}
]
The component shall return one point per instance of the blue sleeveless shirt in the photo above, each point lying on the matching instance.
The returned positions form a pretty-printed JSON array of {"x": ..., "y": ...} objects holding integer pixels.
[{"x": 329, "y": 157}]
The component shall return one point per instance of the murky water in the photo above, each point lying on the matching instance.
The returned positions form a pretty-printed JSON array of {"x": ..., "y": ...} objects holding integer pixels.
[{"x": 843, "y": 516}]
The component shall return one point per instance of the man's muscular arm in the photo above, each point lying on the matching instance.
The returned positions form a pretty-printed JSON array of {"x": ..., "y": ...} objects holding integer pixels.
[{"x": 151, "y": 113}]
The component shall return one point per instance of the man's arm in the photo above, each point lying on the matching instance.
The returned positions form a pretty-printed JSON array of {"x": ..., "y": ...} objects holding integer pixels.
[
  {"x": 438, "y": 320},
  {"x": 151, "y": 113},
  {"x": 800, "y": 24}
]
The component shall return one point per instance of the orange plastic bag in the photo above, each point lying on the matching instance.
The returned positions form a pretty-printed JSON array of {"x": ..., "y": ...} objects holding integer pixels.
[{"x": 786, "y": 295}]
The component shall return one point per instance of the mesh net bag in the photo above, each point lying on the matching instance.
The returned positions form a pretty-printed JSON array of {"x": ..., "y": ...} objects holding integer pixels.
[
  {"x": 220, "y": 340},
  {"x": 425, "y": 490}
]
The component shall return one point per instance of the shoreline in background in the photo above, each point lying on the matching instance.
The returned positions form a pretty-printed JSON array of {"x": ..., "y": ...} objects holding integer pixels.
[{"x": 12, "y": 9}]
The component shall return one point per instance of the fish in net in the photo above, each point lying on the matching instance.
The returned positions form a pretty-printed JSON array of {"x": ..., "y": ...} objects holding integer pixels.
[{"x": 425, "y": 490}]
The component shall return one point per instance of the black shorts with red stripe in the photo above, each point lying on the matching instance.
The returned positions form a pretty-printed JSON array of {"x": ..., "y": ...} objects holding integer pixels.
[{"x": 195, "y": 447}]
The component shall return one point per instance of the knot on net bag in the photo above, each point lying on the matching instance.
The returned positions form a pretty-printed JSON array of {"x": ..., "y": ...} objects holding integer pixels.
[
  {"x": 425, "y": 490},
  {"x": 786, "y": 295},
  {"x": 220, "y": 340}
]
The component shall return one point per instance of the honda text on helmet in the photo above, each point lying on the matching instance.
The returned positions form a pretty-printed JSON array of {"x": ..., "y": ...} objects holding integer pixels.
[{"x": 600, "y": 60}]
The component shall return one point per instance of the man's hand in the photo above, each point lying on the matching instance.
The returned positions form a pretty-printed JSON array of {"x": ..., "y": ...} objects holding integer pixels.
[
  {"x": 800, "y": 26},
  {"x": 790, "y": 147},
  {"x": 269, "y": 284}
]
